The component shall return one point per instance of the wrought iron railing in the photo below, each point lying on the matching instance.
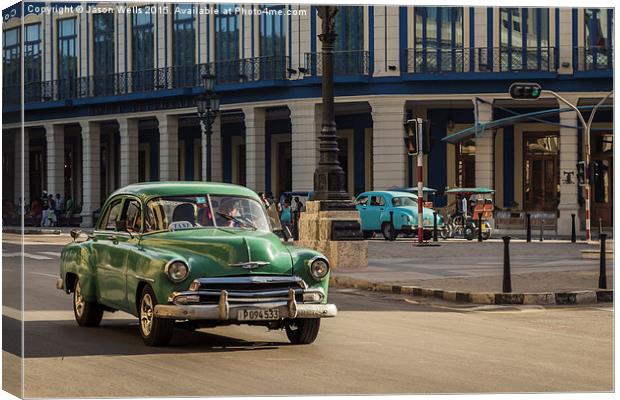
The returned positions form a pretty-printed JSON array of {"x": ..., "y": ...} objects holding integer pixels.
[
  {"x": 353, "y": 62},
  {"x": 234, "y": 71},
  {"x": 480, "y": 59},
  {"x": 596, "y": 58}
]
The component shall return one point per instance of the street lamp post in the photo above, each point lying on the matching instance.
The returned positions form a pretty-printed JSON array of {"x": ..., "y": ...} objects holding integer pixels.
[
  {"x": 208, "y": 108},
  {"x": 329, "y": 178}
]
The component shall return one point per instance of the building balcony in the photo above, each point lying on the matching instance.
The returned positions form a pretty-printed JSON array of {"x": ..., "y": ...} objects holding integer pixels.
[
  {"x": 355, "y": 62},
  {"x": 597, "y": 58},
  {"x": 175, "y": 77},
  {"x": 481, "y": 59}
]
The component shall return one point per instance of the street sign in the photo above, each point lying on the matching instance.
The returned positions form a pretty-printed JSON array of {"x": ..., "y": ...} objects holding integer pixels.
[{"x": 525, "y": 91}]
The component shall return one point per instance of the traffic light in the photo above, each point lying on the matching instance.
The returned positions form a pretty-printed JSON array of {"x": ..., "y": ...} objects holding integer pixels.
[
  {"x": 593, "y": 171},
  {"x": 581, "y": 173},
  {"x": 525, "y": 91},
  {"x": 413, "y": 129}
]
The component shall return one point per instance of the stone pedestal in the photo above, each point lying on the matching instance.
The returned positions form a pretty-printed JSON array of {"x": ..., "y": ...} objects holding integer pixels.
[{"x": 315, "y": 231}]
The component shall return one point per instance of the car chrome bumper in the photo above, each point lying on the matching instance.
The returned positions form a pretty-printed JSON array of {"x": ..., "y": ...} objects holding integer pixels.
[{"x": 227, "y": 311}]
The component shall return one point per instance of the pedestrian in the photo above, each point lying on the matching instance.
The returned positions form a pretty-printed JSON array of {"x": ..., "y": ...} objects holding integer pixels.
[
  {"x": 59, "y": 205},
  {"x": 286, "y": 215},
  {"x": 297, "y": 207},
  {"x": 51, "y": 212},
  {"x": 45, "y": 207},
  {"x": 69, "y": 206}
]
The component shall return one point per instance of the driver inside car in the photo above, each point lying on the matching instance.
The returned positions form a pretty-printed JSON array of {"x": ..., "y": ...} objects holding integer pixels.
[{"x": 229, "y": 208}]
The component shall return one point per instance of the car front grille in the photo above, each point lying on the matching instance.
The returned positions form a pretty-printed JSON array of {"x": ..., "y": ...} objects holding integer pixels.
[{"x": 246, "y": 289}]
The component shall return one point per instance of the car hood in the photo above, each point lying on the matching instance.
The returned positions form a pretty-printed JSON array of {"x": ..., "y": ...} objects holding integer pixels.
[{"x": 223, "y": 251}]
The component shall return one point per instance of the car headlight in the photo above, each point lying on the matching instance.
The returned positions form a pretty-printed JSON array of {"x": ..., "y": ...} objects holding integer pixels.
[
  {"x": 177, "y": 271},
  {"x": 319, "y": 268}
]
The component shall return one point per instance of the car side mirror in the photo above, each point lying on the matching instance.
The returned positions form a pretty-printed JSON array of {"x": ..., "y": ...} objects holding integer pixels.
[{"x": 75, "y": 233}]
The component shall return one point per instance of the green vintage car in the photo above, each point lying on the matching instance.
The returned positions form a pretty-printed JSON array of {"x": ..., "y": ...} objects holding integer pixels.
[{"x": 194, "y": 254}]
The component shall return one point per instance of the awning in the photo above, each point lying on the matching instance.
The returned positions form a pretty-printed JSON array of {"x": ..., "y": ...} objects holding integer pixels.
[{"x": 478, "y": 129}]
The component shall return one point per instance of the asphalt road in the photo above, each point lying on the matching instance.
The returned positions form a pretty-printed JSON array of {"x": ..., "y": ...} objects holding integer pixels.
[{"x": 378, "y": 344}]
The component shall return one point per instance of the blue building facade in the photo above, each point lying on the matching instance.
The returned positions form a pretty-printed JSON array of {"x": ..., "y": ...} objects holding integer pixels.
[{"x": 107, "y": 94}]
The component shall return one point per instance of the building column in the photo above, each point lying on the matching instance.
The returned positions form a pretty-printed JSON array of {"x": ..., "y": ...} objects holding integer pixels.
[
  {"x": 389, "y": 154},
  {"x": 304, "y": 145},
  {"x": 168, "y": 147},
  {"x": 569, "y": 156},
  {"x": 91, "y": 171},
  {"x": 566, "y": 37},
  {"x": 128, "y": 130},
  {"x": 386, "y": 32},
  {"x": 484, "y": 148},
  {"x": 22, "y": 166},
  {"x": 255, "y": 147},
  {"x": 55, "y": 136},
  {"x": 216, "y": 151}
]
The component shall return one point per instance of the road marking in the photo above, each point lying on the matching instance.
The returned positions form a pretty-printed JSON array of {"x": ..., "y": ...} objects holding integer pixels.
[
  {"x": 27, "y": 255},
  {"x": 44, "y": 274},
  {"x": 50, "y": 253}
]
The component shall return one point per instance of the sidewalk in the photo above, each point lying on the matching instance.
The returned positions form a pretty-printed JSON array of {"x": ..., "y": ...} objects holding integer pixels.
[{"x": 541, "y": 273}]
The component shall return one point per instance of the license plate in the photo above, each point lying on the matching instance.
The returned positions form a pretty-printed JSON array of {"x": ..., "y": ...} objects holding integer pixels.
[{"x": 258, "y": 315}]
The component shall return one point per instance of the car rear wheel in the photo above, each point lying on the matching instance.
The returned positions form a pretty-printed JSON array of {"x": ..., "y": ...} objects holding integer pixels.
[
  {"x": 154, "y": 331},
  {"x": 87, "y": 313},
  {"x": 303, "y": 330},
  {"x": 388, "y": 231}
]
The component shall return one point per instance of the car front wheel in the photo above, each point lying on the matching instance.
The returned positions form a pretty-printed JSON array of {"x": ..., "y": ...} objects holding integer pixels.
[
  {"x": 87, "y": 313},
  {"x": 154, "y": 331},
  {"x": 303, "y": 330}
]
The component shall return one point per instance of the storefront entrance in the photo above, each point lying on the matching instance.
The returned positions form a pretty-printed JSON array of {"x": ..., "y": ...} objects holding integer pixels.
[
  {"x": 541, "y": 171},
  {"x": 602, "y": 186}
]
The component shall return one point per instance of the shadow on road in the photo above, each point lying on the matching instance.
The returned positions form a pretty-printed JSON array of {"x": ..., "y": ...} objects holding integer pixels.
[{"x": 114, "y": 337}]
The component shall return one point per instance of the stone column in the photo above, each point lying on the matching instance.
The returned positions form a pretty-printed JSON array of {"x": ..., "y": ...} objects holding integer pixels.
[
  {"x": 386, "y": 34},
  {"x": 566, "y": 38},
  {"x": 389, "y": 154},
  {"x": 484, "y": 149},
  {"x": 569, "y": 156},
  {"x": 216, "y": 151},
  {"x": 128, "y": 130},
  {"x": 91, "y": 171},
  {"x": 55, "y": 136},
  {"x": 168, "y": 147},
  {"x": 304, "y": 145},
  {"x": 22, "y": 166},
  {"x": 255, "y": 147}
]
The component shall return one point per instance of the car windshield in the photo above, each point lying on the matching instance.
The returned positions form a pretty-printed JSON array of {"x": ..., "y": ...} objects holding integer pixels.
[
  {"x": 172, "y": 213},
  {"x": 404, "y": 201}
]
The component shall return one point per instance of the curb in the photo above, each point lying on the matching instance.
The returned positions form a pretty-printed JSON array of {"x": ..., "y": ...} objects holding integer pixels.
[
  {"x": 548, "y": 298},
  {"x": 26, "y": 231}
]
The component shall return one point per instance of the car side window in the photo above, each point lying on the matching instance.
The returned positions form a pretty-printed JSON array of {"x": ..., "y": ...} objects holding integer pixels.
[
  {"x": 377, "y": 201},
  {"x": 133, "y": 216},
  {"x": 362, "y": 201},
  {"x": 114, "y": 209}
]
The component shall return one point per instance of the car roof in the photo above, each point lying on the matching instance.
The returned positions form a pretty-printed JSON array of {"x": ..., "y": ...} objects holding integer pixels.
[
  {"x": 184, "y": 188},
  {"x": 389, "y": 193}
]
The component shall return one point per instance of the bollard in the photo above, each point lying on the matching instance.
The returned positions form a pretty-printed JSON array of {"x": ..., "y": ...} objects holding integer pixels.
[
  {"x": 542, "y": 228},
  {"x": 602, "y": 277},
  {"x": 529, "y": 227},
  {"x": 480, "y": 226},
  {"x": 507, "y": 283},
  {"x": 573, "y": 233},
  {"x": 435, "y": 226},
  {"x": 600, "y": 227}
]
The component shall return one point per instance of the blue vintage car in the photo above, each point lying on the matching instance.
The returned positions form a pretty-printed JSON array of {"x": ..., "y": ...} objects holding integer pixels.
[{"x": 393, "y": 213}]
